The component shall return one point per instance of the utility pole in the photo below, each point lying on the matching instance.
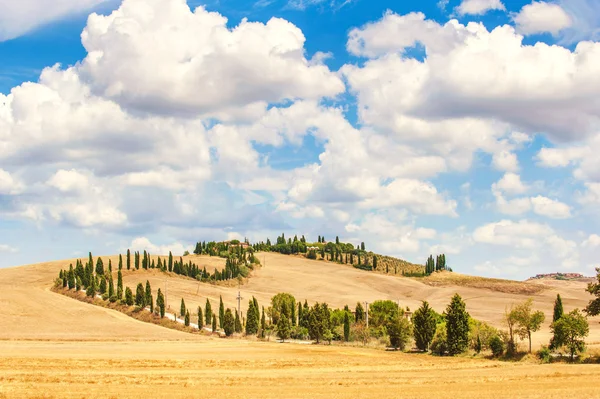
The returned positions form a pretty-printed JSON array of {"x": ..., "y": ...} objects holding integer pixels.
[
  {"x": 239, "y": 299},
  {"x": 367, "y": 312}
]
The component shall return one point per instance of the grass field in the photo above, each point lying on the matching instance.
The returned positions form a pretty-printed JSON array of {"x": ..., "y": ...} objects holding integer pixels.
[{"x": 52, "y": 346}]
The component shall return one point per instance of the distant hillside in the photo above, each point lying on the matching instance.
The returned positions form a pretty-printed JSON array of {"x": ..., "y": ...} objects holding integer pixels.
[{"x": 561, "y": 276}]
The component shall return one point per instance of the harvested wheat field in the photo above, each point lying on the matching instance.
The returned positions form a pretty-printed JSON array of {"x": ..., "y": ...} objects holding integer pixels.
[{"x": 52, "y": 346}]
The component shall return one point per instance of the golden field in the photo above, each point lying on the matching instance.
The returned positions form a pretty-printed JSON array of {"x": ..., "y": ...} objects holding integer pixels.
[{"x": 52, "y": 346}]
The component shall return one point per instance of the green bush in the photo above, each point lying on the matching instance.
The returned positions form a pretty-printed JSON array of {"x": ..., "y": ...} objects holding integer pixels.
[
  {"x": 497, "y": 346},
  {"x": 544, "y": 354}
]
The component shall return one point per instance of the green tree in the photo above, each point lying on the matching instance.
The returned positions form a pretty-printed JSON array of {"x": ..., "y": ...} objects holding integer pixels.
[
  {"x": 318, "y": 321},
  {"x": 425, "y": 323},
  {"x": 399, "y": 330},
  {"x": 221, "y": 312},
  {"x": 251, "y": 319},
  {"x": 128, "y": 260},
  {"x": 263, "y": 324},
  {"x": 78, "y": 283},
  {"x": 128, "y": 296},
  {"x": 237, "y": 323},
  {"x": 119, "y": 285},
  {"x": 71, "y": 277},
  {"x": 570, "y": 331},
  {"x": 140, "y": 296},
  {"x": 91, "y": 289},
  {"x": 374, "y": 262},
  {"x": 111, "y": 286},
  {"x": 283, "y": 324},
  {"x": 278, "y": 302},
  {"x": 208, "y": 312},
  {"x": 99, "y": 267},
  {"x": 186, "y": 321},
  {"x": 160, "y": 303},
  {"x": 593, "y": 308},
  {"x": 120, "y": 262},
  {"x": 228, "y": 323},
  {"x": 528, "y": 321},
  {"x": 558, "y": 308},
  {"x": 380, "y": 312},
  {"x": 182, "y": 308},
  {"x": 214, "y": 322},
  {"x": 148, "y": 293},
  {"x": 359, "y": 313},
  {"x": 346, "y": 327},
  {"x": 457, "y": 326},
  {"x": 200, "y": 318},
  {"x": 102, "y": 289}
]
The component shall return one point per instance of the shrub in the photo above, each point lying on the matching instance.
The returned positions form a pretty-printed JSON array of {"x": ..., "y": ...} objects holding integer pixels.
[
  {"x": 497, "y": 346},
  {"x": 105, "y": 297},
  {"x": 113, "y": 298},
  {"x": 544, "y": 354},
  {"x": 439, "y": 344}
]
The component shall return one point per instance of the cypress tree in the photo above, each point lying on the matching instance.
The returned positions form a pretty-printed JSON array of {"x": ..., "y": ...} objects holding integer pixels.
[
  {"x": 140, "y": 296},
  {"x": 71, "y": 277},
  {"x": 99, "y": 267},
  {"x": 160, "y": 303},
  {"x": 103, "y": 287},
  {"x": 237, "y": 323},
  {"x": 283, "y": 324},
  {"x": 91, "y": 289},
  {"x": 263, "y": 323},
  {"x": 128, "y": 259},
  {"x": 221, "y": 312},
  {"x": 200, "y": 318},
  {"x": 208, "y": 312},
  {"x": 120, "y": 262},
  {"x": 293, "y": 312},
  {"x": 300, "y": 317},
  {"x": 65, "y": 280},
  {"x": 148, "y": 293},
  {"x": 171, "y": 262},
  {"x": 374, "y": 262},
  {"x": 558, "y": 308},
  {"x": 214, "y": 323},
  {"x": 359, "y": 313},
  {"x": 457, "y": 326},
  {"x": 425, "y": 324},
  {"x": 346, "y": 327},
  {"x": 78, "y": 283},
  {"x": 151, "y": 303},
  {"x": 128, "y": 296},
  {"x": 119, "y": 285},
  {"x": 186, "y": 321},
  {"x": 251, "y": 320},
  {"x": 182, "y": 308},
  {"x": 228, "y": 323},
  {"x": 109, "y": 266}
]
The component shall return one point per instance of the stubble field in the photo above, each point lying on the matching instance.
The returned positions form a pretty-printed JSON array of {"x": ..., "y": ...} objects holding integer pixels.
[{"x": 52, "y": 346}]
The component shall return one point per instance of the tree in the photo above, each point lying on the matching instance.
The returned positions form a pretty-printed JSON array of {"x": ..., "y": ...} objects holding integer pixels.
[
  {"x": 119, "y": 285},
  {"x": 140, "y": 296},
  {"x": 346, "y": 327},
  {"x": 527, "y": 320},
  {"x": 362, "y": 246},
  {"x": 200, "y": 318},
  {"x": 120, "y": 262},
  {"x": 263, "y": 323},
  {"x": 214, "y": 322},
  {"x": 237, "y": 323},
  {"x": 399, "y": 330},
  {"x": 558, "y": 308},
  {"x": 570, "y": 331},
  {"x": 374, "y": 262},
  {"x": 182, "y": 308},
  {"x": 457, "y": 326},
  {"x": 78, "y": 283},
  {"x": 91, "y": 289},
  {"x": 102, "y": 289},
  {"x": 128, "y": 259},
  {"x": 148, "y": 293},
  {"x": 251, "y": 319},
  {"x": 283, "y": 324},
  {"x": 208, "y": 312},
  {"x": 221, "y": 312},
  {"x": 278, "y": 302},
  {"x": 593, "y": 308},
  {"x": 228, "y": 323},
  {"x": 71, "y": 277},
  {"x": 510, "y": 319},
  {"x": 359, "y": 313},
  {"x": 318, "y": 321},
  {"x": 424, "y": 322},
  {"x": 160, "y": 303},
  {"x": 171, "y": 262},
  {"x": 186, "y": 321},
  {"x": 111, "y": 286},
  {"x": 128, "y": 296},
  {"x": 99, "y": 267}
]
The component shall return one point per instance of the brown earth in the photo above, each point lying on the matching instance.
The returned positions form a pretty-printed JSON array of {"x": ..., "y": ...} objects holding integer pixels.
[{"x": 54, "y": 346}]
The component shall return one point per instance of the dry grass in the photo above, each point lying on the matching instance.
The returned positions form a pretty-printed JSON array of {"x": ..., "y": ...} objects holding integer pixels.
[
  {"x": 52, "y": 346},
  {"x": 446, "y": 279}
]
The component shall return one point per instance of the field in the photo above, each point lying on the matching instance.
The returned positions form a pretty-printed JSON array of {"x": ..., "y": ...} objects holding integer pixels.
[{"x": 52, "y": 346}]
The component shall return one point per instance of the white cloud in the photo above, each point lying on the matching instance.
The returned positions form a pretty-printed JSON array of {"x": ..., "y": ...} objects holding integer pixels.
[
  {"x": 479, "y": 7},
  {"x": 522, "y": 234},
  {"x": 592, "y": 241},
  {"x": 69, "y": 180},
  {"x": 144, "y": 244},
  {"x": 199, "y": 66},
  {"x": 510, "y": 183},
  {"x": 542, "y": 17},
  {"x": 551, "y": 208},
  {"x": 8, "y": 249},
  {"x": 505, "y": 161},
  {"x": 8, "y": 184},
  {"x": 22, "y": 16}
]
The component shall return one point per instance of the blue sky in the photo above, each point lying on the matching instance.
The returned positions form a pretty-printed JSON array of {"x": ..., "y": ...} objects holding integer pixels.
[{"x": 466, "y": 127}]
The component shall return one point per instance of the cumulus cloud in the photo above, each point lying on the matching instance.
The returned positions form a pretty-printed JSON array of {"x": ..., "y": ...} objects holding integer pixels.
[
  {"x": 8, "y": 249},
  {"x": 144, "y": 244},
  {"x": 8, "y": 184},
  {"x": 510, "y": 183},
  {"x": 541, "y": 17},
  {"x": 479, "y": 7},
  {"x": 23, "y": 16},
  {"x": 551, "y": 208},
  {"x": 199, "y": 65}
]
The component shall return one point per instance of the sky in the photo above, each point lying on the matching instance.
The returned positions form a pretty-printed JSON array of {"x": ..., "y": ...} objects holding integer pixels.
[{"x": 464, "y": 127}]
